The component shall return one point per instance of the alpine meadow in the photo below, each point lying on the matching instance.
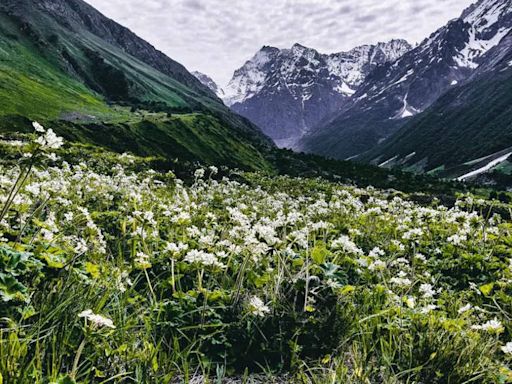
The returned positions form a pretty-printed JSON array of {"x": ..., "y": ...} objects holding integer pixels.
[{"x": 327, "y": 215}]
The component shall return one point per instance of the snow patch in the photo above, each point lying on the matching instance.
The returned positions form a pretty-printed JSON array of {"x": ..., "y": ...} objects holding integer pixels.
[
  {"x": 406, "y": 111},
  {"x": 454, "y": 82},
  {"x": 344, "y": 89},
  {"x": 476, "y": 47},
  {"x": 388, "y": 161},
  {"x": 485, "y": 168}
]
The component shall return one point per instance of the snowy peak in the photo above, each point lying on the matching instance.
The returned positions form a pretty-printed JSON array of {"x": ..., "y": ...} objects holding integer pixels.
[
  {"x": 210, "y": 83},
  {"x": 287, "y": 92},
  {"x": 388, "y": 97},
  {"x": 303, "y": 66},
  {"x": 353, "y": 66},
  {"x": 487, "y": 23},
  {"x": 249, "y": 79}
]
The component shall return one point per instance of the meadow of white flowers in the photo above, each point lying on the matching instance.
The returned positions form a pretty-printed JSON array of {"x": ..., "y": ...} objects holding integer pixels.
[{"x": 109, "y": 274}]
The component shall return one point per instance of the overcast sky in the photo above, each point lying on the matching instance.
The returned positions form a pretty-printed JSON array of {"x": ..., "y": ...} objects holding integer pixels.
[{"x": 218, "y": 36}]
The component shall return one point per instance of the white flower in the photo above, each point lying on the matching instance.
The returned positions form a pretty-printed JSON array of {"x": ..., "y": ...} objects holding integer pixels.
[
  {"x": 401, "y": 282},
  {"x": 491, "y": 326},
  {"x": 204, "y": 258},
  {"x": 214, "y": 170},
  {"x": 38, "y": 127},
  {"x": 98, "y": 321},
  {"x": 413, "y": 233},
  {"x": 457, "y": 239},
  {"x": 427, "y": 290},
  {"x": 143, "y": 260},
  {"x": 347, "y": 245},
  {"x": 429, "y": 308},
  {"x": 257, "y": 307},
  {"x": 199, "y": 173},
  {"x": 50, "y": 140},
  {"x": 410, "y": 301},
  {"x": 507, "y": 349},
  {"x": 174, "y": 248},
  {"x": 465, "y": 308},
  {"x": 377, "y": 252},
  {"x": 377, "y": 265}
]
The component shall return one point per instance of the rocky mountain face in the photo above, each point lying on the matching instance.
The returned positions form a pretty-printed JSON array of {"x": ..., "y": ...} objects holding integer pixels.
[
  {"x": 210, "y": 83},
  {"x": 392, "y": 94},
  {"x": 288, "y": 92},
  {"x": 79, "y": 16},
  {"x": 471, "y": 121}
]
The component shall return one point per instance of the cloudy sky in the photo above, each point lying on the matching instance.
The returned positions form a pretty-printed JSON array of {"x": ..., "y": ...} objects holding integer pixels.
[{"x": 218, "y": 36}]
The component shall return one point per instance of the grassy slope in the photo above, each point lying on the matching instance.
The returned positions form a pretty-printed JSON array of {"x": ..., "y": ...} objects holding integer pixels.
[{"x": 33, "y": 85}]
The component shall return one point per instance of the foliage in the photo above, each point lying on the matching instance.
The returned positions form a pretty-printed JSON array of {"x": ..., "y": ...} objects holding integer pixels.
[{"x": 113, "y": 272}]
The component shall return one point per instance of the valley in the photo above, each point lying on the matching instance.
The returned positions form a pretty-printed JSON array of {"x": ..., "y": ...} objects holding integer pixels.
[{"x": 320, "y": 218}]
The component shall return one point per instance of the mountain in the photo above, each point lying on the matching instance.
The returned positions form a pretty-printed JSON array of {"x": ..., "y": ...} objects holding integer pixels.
[
  {"x": 209, "y": 83},
  {"x": 287, "y": 92},
  {"x": 394, "y": 93},
  {"x": 63, "y": 62},
  {"x": 470, "y": 122}
]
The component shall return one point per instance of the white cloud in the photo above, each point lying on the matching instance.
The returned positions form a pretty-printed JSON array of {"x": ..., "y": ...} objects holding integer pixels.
[{"x": 217, "y": 36}]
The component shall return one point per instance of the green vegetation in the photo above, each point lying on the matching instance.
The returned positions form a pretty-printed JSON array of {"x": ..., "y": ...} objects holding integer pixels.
[
  {"x": 31, "y": 86},
  {"x": 469, "y": 122},
  {"x": 111, "y": 272}
]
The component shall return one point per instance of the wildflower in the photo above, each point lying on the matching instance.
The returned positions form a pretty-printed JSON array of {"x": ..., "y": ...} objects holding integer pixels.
[
  {"x": 377, "y": 252},
  {"x": 347, "y": 245},
  {"x": 377, "y": 265},
  {"x": 413, "y": 233},
  {"x": 50, "y": 140},
  {"x": 175, "y": 249},
  {"x": 401, "y": 282},
  {"x": 427, "y": 290},
  {"x": 38, "y": 127},
  {"x": 464, "y": 309},
  {"x": 507, "y": 348},
  {"x": 199, "y": 173},
  {"x": 257, "y": 307},
  {"x": 204, "y": 258},
  {"x": 492, "y": 326},
  {"x": 429, "y": 308},
  {"x": 143, "y": 260},
  {"x": 411, "y": 302},
  {"x": 213, "y": 170},
  {"x": 333, "y": 284},
  {"x": 98, "y": 321}
]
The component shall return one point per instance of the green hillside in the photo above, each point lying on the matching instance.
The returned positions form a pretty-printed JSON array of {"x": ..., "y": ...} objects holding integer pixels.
[
  {"x": 61, "y": 71},
  {"x": 471, "y": 121}
]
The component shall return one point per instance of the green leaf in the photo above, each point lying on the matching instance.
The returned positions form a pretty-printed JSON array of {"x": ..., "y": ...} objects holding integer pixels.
[
  {"x": 487, "y": 289},
  {"x": 319, "y": 253},
  {"x": 93, "y": 270},
  {"x": 66, "y": 380}
]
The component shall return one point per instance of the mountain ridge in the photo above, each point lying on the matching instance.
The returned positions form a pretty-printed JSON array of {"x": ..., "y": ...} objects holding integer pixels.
[
  {"x": 392, "y": 95},
  {"x": 288, "y": 91}
]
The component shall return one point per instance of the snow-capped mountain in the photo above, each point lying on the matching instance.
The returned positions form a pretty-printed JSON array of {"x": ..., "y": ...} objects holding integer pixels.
[
  {"x": 287, "y": 92},
  {"x": 467, "y": 131},
  {"x": 392, "y": 94},
  {"x": 210, "y": 83}
]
